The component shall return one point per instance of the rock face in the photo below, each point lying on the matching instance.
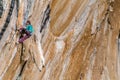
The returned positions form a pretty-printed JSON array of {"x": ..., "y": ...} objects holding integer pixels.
[{"x": 72, "y": 40}]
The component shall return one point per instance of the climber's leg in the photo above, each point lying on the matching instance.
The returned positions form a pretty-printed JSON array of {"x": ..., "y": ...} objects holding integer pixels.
[
  {"x": 27, "y": 35},
  {"x": 23, "y": 38}
]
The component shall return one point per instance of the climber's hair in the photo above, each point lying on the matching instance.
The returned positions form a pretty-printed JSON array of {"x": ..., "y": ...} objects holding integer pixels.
[{"x": 28, "y": 21}]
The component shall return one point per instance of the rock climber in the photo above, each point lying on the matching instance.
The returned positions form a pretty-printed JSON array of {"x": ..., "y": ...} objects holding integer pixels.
[{"x": 25, "y": 32}]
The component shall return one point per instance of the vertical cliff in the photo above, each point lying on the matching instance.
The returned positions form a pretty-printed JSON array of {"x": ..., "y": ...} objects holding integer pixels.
[{"x": 72, "y": 40}]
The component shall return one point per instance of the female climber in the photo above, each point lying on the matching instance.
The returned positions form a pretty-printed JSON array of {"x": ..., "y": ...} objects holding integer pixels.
[{"x": 25, "y": 32}]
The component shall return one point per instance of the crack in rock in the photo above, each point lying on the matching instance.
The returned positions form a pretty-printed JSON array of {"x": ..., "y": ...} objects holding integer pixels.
[
  {"x": 46, "y": 17},
  {"x": 7, "y": 19},
  {"x": 1, "y": 8}
]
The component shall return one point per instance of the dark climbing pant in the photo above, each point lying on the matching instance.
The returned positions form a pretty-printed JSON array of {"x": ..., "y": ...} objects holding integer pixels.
[{"x": 24, "y": 35}]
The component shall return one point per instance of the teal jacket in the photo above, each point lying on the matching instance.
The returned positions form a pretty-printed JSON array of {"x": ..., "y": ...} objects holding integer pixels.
[{"x": 30, "y": 28}]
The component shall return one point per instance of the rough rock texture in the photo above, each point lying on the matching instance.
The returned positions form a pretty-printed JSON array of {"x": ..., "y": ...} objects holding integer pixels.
[{"x": 72, "y": 40}]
